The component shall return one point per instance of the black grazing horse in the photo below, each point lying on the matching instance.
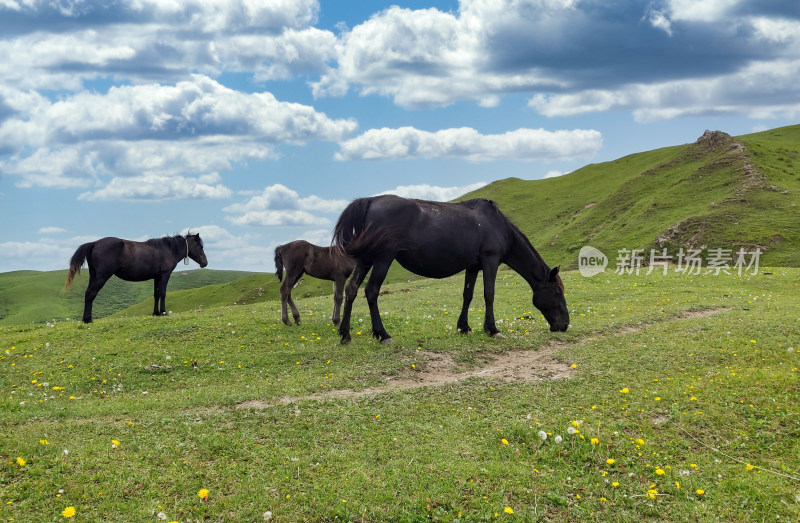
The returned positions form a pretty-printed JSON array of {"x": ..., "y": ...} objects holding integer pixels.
[
  {"x": 153, "y": 259},
  {"x": 326, "y": 263},
  {"x": 438, "y": 240}
]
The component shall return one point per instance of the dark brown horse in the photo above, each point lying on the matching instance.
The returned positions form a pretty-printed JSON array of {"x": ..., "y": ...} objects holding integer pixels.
[
  {"x": 326, "y": 263},
  {"x": 438, "y": 240},
  {"x": 134, "y": 261}
]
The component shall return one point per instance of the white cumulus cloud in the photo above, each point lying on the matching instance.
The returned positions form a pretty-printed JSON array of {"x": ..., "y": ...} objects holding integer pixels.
[{"x": 469, "y": 144}]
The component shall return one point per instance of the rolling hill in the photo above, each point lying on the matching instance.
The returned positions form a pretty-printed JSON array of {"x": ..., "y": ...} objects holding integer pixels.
[
  {"x": 34, "y": 296},
  {"x": 719, "y": 192}
]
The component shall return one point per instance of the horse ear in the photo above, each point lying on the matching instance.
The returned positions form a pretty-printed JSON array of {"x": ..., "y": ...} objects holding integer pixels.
[{"x": 553, "y": 274}]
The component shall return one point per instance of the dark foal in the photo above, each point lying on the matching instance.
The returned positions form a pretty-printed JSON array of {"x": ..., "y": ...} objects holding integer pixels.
[
  {"x": 153, "y": 259},
  {"x": 326, "y": 263},
  {"x": 438, "y": 240}
]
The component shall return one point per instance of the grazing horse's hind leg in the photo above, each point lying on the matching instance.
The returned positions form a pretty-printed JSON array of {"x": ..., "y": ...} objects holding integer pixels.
[
  {"x": 470, "y": 278},
  {"x": 351, "y": 291},
  {"x": 96, "y": 282},
  {"x": 372, "y": 291}
]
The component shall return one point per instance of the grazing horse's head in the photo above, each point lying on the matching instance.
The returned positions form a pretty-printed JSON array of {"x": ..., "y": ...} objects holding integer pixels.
[
  {"x": 549, "y": 299},
  {"x": 195, "y": 246}
]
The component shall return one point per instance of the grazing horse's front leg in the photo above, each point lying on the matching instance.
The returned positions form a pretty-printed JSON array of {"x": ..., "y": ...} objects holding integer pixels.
[
  {"x": 157, "y": 293},
  {"x": 372, "y": 291},
  {"x": 351, "y": 291},
  {"x": 469, "y": 288},
  {"x": 489, "y": 276}
]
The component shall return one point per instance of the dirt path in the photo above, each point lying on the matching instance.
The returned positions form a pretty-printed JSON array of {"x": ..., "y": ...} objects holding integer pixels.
[{"x": 514, "y": 365}]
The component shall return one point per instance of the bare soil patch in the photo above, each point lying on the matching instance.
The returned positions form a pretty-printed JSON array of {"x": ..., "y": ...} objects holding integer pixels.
[{"x": 512, "y": 366}]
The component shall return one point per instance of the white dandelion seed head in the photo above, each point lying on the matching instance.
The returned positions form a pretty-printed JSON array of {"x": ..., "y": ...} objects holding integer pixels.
[
  {"x": 542, "y": 435},
  {"x": 571, "y": 430},
  {"x": 559, "y": 439}
]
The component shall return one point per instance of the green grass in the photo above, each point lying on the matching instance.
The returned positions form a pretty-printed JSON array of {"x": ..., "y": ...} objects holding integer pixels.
[
  {"x": 727, "y": 381},
  {"x": 34, "y": 296}
]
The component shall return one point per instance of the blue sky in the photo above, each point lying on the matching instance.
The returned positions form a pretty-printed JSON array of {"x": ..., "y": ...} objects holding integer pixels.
[{"x": 256, "y": 122}]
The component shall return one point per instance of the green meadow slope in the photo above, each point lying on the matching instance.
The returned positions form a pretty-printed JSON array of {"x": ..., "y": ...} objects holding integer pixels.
[
  {"x": 34, "y": 296},
  {"x": 719, "y": 192}
]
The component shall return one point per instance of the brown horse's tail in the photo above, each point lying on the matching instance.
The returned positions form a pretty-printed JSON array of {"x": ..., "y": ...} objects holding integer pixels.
[
  {"x": 278, "y": 263},
  {"x": 76, "y": 262}
]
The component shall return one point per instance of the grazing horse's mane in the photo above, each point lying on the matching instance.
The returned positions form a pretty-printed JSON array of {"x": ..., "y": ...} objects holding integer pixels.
[{"x": 519, "y": 237}]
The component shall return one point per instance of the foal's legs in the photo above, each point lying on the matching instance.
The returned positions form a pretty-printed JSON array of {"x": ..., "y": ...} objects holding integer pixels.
[
  {"x": 96, "y": 282},
  {"x": 469, "y": 288},
  {"x": 351, "y": 291},
  {"x": 338, "y": 294},
  {"x": 372, "y": 291},
  {"x": 286, "y": 296}
]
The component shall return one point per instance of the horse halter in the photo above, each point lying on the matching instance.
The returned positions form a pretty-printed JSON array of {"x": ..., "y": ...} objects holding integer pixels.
[{"x": 186, "y": 258}]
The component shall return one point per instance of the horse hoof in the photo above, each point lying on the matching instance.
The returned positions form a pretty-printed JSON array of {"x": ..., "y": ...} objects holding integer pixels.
[
  {"x": 498, "y": 336},
  {"x": 387, "y": 341}
]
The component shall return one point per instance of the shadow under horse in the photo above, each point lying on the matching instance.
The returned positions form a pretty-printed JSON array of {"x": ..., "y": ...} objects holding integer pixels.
[
  {"x": 438, "y": 240},
  {"x": 326, "y": 263},
  {"x": 154, "y": 259}
]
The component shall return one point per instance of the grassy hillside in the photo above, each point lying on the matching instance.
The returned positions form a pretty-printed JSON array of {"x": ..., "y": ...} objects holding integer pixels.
[
  {"x": 671, "y": 398},
  {"x": 34, "y": 296},
  {"x": 719, "y": 192}
]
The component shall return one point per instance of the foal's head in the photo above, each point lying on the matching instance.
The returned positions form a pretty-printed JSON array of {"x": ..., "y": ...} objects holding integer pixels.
[
  {"x": 549, "y": 299},
  {"x": 195, "y": 246}
]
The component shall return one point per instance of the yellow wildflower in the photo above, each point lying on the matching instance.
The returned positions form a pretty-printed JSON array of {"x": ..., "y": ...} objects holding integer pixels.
[
  {"x": 610, "y": 461},
  {"x": 68, "y": 512},
  {"x": 203, "y": 494},
  {"x": 700, "y": 492},
  {"x": 508, "y": 510},
  {"x": 21, "y": 462}
]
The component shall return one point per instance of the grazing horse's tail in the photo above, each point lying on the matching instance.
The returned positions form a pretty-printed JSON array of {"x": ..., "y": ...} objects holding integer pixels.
[
  {"x": 359, "y": 238},
  {"x": 278, "y": 263},
  {"x": 76, "y": 262},
  {"x": 351, "y": 223}
]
